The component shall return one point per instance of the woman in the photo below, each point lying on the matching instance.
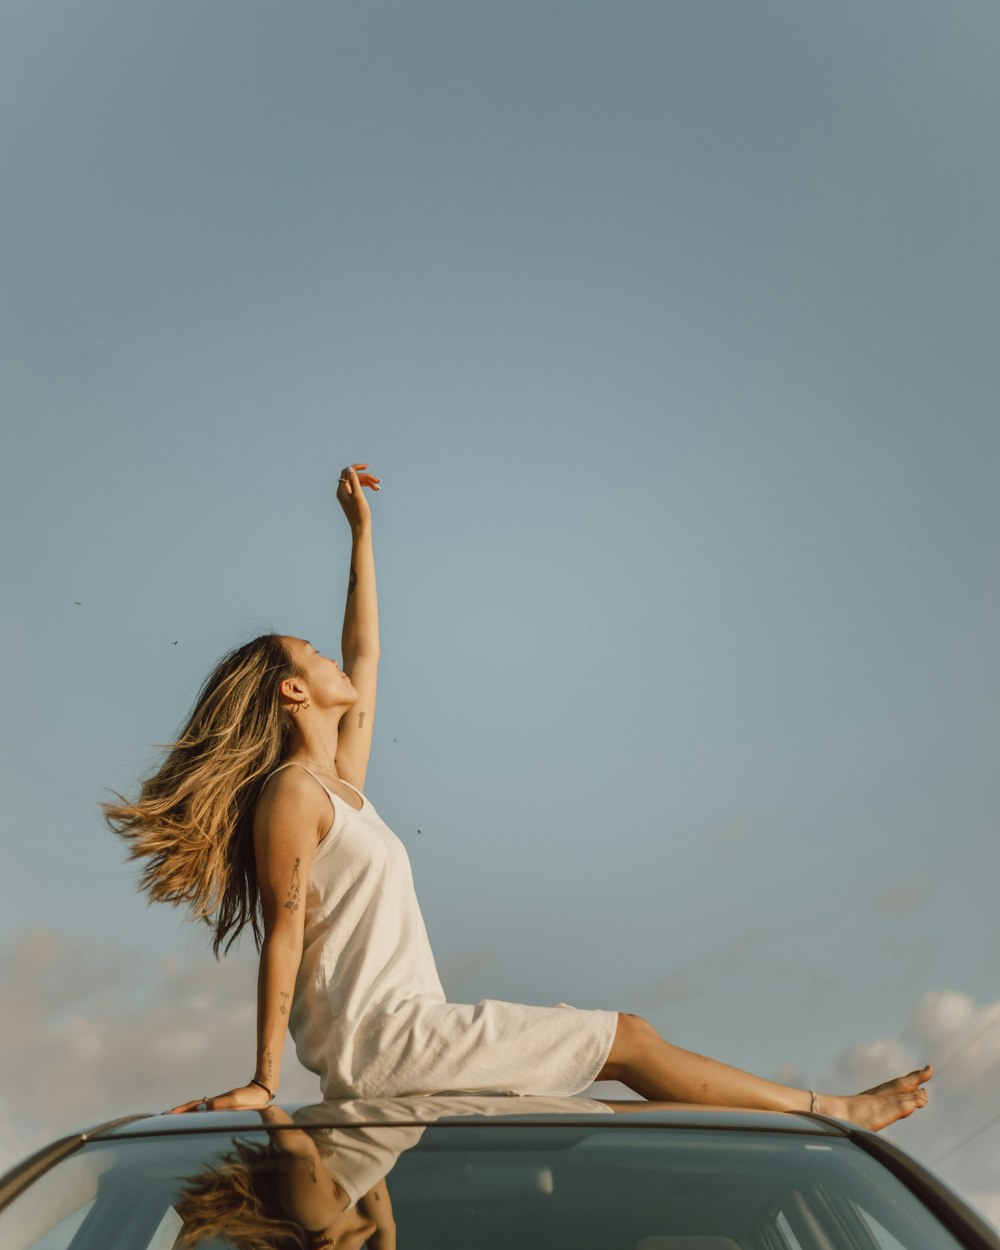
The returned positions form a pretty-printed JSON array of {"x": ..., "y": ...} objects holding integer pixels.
[
  {"x": 259, "y": 807},
  {"x": 286, "y": 1195}
]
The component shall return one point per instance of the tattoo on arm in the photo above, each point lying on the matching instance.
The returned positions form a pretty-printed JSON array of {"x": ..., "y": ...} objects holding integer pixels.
[
  {"x": 283, "y": 1007},
  {"x": 292, "y": 902},
  {"x": 352, "y": 582},
  {"x": 361, "y": 720},
  {"x": 310, "y": 1163}
]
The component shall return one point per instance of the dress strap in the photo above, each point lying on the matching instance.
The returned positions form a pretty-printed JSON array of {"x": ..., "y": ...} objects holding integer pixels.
[
  {"x": 302, "y": 766},
  {"x": 347, "y": 783},
  {"x": 320, "y": 780}
]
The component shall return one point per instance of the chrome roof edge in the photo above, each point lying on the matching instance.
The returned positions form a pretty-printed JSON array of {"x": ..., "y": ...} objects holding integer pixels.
[
  {"x": 29, "y": 1169},
  {"x": 200, "y": 1122}
]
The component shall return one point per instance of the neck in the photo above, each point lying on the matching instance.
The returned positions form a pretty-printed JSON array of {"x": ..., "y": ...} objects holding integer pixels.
[{"x": 315, "y": 738}]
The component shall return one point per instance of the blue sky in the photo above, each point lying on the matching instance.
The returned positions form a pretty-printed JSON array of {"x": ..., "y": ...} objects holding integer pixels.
[{"x": 670, "y": 330}]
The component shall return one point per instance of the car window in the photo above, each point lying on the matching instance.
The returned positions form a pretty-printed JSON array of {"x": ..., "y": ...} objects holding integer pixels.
[
  {"x": 493, "y": 1186},
  {"x": 786, "y": 1232},
  {"x": 881, "y": 1236},
  {"x": 60, "y": 1235}
]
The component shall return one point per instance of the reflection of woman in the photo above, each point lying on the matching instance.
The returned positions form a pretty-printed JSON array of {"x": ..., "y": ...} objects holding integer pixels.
[
  {"x": 238, "y": 820},
  {"x": 371, "y": 1134},
  {"x": 280, "y": 1196},
  {"x": 316, "y": 1187}
]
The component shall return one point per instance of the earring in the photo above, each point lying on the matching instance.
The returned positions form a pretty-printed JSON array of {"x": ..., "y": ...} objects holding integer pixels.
[{"x": 304, "y": 704}]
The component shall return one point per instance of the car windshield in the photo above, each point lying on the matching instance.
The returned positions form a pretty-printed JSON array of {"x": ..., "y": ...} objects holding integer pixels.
[{"x": 499, "y": 1185}]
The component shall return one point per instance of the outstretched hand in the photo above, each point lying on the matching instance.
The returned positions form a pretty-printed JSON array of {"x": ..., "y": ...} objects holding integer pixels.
[
  {"x": 243, "y": 1098},
  {"x": 351, "y": 496}
]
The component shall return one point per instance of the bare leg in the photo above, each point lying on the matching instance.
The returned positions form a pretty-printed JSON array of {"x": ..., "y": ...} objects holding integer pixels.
[{"x": 657, "y": 1070}]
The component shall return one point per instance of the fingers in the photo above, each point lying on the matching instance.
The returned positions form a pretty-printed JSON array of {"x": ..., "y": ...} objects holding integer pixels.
[
  {"x": 190, "y": 1106},
  {"x": 364, "y": 479},
  {"x": 352, "y": 480}
]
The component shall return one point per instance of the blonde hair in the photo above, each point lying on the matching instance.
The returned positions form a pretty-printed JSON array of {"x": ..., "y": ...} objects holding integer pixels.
[
  {"x": 238, "y": 1203},
  {"x": 193, "y": 819}
]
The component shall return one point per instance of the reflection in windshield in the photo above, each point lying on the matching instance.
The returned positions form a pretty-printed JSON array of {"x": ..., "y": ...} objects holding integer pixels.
[
  {"x": 542, "y": 1174},
  {"x": 274, "y": 1195},
  {"x": 316, "y": 1188}
]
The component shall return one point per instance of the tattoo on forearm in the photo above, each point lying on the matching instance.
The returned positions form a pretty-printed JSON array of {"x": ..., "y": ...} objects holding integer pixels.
[
  {"x": 352, "y": 582},
  {"x": 283, "y": 997},
  {"x": 361, "y": 720},
  {"x": 311, "y": 1165},
  {"x": 292, "y": 902}
]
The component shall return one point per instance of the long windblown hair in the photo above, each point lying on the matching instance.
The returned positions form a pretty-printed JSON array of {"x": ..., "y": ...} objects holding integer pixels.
[
  {"x": 193, "y": 819},
  {"x": 239, "y": 1202}
]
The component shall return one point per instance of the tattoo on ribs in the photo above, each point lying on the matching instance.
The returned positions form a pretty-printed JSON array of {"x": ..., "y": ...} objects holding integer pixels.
[
  {"x": 352, "y": 582},
  {"x": 283, "y": 1007},
  {"x": 292, "y": 902}
]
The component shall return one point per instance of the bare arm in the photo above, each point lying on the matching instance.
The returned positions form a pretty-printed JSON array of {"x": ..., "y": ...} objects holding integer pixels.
[
  {"x": 279, "y": 966},
  {"x": 288, "y": 824},
  {"x": 311, "y": 1196},
  {"x": 359, "y": 637},
  {"x": 377, "y": 1206}
]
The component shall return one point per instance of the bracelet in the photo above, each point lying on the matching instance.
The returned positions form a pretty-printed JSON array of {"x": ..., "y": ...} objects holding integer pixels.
[{"x": 253, "y": 1081}]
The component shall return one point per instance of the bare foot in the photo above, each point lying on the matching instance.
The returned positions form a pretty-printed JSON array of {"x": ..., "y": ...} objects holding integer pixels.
[
  {"x": 882, "y": 1105},
  {"x": 901, "y": 1084}
]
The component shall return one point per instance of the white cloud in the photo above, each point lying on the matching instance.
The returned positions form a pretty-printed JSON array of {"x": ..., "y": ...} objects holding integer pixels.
[{"x": 92, "y": 1032}]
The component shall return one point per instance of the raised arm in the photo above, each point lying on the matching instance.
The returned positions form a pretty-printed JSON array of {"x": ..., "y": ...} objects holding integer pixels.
[{"x": 359, "y": 638}]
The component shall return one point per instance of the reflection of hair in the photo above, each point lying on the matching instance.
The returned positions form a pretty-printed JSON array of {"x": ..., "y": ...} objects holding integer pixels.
[
  {"x": 238, "y": 1203},
  {"x": 194, "y": 817}
]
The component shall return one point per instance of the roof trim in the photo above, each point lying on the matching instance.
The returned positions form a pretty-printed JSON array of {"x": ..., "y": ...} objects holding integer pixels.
[
  {"x": 22, "y": 1174},
  {"x": 241, "y": 1121},
  {"x": 935, "y": 1193}
]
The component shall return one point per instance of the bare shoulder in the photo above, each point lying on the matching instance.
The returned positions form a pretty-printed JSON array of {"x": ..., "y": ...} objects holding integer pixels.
[
  {"x": 291, "y": 799},
  {"x": 287, "y": 827}
]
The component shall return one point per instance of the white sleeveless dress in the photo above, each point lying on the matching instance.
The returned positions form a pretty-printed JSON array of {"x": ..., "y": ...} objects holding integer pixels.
[{"x": 369, "y": 1014}]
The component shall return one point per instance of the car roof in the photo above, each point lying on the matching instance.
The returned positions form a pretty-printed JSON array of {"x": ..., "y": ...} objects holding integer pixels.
[
  {"x": 334, "y": 1113},
  {"x": 466, "y": 1112}
]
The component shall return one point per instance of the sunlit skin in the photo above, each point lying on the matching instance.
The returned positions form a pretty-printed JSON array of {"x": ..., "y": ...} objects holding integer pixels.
[
  {"x": 332, "y": 710},
  {"x": 314, "y": 1199},
  {"x": 641, "y": 1059}
]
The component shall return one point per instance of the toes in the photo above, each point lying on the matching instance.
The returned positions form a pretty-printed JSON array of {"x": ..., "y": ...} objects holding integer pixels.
[
  {"x": 914, "y": 1100},
  {"x": 903, "y": 1084}
]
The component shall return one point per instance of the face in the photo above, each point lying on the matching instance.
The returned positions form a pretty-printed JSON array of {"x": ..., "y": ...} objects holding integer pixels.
[{"x": 326, "y": 683}]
